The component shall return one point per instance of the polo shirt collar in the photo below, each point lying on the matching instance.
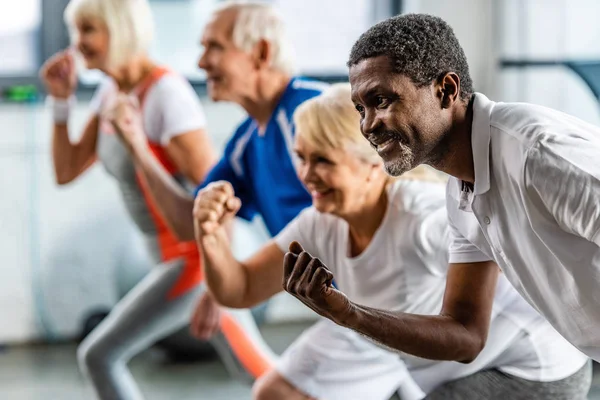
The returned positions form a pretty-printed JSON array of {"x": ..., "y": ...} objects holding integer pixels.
[{"x": 480, "y": 142}]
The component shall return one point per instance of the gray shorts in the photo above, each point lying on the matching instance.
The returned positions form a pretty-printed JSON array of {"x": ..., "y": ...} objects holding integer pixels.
[{"x": 493, "y": 384}]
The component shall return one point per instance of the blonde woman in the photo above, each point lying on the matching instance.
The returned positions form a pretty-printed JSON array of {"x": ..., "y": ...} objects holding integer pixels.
[
  {"x": 113, "y": 36},
  {"x": 385, "y": 241}
]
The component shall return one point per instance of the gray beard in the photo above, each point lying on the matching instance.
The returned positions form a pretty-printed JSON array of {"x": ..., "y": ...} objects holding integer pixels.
[{"x": 402, "y": 164}]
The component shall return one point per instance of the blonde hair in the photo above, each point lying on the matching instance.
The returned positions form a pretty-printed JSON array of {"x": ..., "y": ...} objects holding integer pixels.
[
  {"x": 129, "y": 22},
  {"x": 330, "y": 121},
  {"x": 257, "y": 21}
]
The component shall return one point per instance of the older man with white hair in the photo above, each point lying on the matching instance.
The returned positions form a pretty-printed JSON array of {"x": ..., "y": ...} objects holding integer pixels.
[{"x": 248, "y": 61}]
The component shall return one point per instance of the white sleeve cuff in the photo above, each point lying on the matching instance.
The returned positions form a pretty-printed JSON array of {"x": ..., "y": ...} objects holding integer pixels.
[
  {"x": 596, "y": 238},
  {"x": 463, "y": 257},
  {"x": 191, "y": 125}
]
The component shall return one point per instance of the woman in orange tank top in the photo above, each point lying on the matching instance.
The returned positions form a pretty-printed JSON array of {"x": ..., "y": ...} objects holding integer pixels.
[{"x": 113, "y": 36}]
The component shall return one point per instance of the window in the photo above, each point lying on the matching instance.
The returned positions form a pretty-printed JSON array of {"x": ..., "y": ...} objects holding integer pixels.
[
  {"x": 321, "y": 31},
  {"x": 20, "y": 23},
  {"x": 324, "y": 31}
]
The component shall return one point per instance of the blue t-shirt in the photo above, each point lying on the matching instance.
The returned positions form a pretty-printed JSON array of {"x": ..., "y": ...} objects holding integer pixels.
[{"x": 260, "y": 166}]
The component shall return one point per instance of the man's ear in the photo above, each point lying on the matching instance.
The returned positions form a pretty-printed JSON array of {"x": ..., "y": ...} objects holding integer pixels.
[
  {"x": 262, "y": 54},
  {"x": 448, "y": 89}
]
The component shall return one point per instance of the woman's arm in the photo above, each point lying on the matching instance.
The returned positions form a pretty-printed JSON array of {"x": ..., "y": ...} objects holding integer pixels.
[{"x": 72, "y": 159}]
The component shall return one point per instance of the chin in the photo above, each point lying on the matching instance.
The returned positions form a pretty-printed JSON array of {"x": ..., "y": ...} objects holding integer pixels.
[
  {"x": 217, "y": 95},
  {"x": 396, "y": 166},
  {"x": 213, "y": 96},
  {"x": 92, "y": 64},
  {"x": 325, "y": 207},
  {"x": 395, "y": 169}
]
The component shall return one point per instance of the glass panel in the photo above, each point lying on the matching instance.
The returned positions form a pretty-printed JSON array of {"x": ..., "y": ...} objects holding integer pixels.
[
  {"x": 321, "y": 31},
  {"x": 20, "y": 23}
]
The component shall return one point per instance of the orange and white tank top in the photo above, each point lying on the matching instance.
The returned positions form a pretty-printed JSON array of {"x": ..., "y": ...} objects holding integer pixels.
[{"x": 169, "y": 107}]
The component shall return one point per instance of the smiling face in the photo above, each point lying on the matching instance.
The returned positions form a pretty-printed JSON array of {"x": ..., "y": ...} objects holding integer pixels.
[
  {"x": 230, "y": 71},
  {"x": 403, "y": 122},
  {"x": 93, "y": 42},
  {"x": 337, "y": 180}
]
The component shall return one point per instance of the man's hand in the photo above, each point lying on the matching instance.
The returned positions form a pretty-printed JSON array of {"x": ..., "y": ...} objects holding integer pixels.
[
  {"x": 206, "y": 318},
  {"x": 214, "y": 206},
  {"x": 309, "y": 280},
  {"x": 126, "y": 118}
]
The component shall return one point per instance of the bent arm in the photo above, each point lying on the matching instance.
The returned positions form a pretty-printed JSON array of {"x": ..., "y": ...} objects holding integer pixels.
[
  {"x": 72, "y": 159},
  {"x": 194, "y": 157},
  {"x": 193, "y": 154},
  {"x": 174, "y": 203},
  {"x": 240, "y": 284},
  {"x": 458, "y": 333}
]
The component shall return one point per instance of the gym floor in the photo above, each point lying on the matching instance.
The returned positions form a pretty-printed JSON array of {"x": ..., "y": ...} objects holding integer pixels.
[{"x": 50, "y": 372}]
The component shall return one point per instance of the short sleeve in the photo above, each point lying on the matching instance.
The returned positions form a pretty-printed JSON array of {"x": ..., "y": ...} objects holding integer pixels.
[
  {"x": 176, "y": 102},
  {"x": 563, "y": 177},
  {"x": 432, "y": 238},
  {"x": 301, "y": 229},
  {"x": 105, "y": 88},
  {"x": 462, "y": 250}
]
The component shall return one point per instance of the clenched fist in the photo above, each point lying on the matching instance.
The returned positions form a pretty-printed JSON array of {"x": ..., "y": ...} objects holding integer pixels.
[
  {"x": 310, "y": 281},
  {"x": 214, "y": 205},
  {"x": 126, "y": 118},
  {"x": 59, "y": 76}
]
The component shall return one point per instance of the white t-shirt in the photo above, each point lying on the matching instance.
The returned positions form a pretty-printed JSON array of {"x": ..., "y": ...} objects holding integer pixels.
[
  {"x": 404, "y": 266},
  {"x": 171, "y": 107},
  {"x": 535, "y": 210},
  {"x": 404, "y": 269}
]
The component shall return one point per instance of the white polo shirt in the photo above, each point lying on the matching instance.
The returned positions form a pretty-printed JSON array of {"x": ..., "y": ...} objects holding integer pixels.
[{"x": 535, "y": 210}]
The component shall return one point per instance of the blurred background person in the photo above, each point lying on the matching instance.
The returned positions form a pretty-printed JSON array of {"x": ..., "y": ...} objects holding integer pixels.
[{"x": 113, "y": 36}]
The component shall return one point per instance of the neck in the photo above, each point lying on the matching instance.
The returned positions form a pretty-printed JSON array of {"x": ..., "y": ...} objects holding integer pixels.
[
  {"x": 265, "y": 96},
  {"x": 363, "y": 224},
  {"x": 130, "y": 75},
  {"x": 457, "y": 158}
]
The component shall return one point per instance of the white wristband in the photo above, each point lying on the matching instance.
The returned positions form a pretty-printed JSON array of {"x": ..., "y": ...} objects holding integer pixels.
[{"x": 61, "y": 108}]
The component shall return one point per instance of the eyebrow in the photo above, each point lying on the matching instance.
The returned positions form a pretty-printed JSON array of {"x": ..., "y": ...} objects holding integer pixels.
[
  {"x": 371, "y": 90},
  {"x": 315, "y": 153}
]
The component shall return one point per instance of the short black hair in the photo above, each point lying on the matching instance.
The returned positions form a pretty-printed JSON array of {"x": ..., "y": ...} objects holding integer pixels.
[{"x": 420, "y": 46}]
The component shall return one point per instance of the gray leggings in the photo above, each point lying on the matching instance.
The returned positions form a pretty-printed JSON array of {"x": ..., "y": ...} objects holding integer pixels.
[
  {"x": 144, "y": 316},
  {"x": 493, "y": 384}
]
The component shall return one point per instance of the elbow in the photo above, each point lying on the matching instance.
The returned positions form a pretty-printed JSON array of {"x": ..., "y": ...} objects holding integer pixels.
[
  {"x": 229, "y": 301},
  {"x": 471, "y": 349},
  {"x": 63, "y": 179},
  {"x": 230, "y": 298}
]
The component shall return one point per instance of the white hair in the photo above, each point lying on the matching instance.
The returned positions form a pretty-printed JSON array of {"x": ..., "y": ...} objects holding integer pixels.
[
  {"x": 129, "y": 22},
  {"x": 257, "y": 21}
]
